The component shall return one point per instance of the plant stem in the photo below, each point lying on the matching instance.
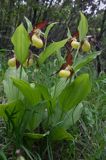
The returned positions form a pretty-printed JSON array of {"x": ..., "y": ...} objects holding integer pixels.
[
  {"x": 76, "y": 55},
  {"x": 20, "y": 72}
]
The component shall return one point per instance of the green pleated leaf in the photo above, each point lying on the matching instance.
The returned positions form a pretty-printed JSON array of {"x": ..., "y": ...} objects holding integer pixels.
[
  {"x": 33, "y": 95},
  {"x": 72, "y": 116},
  {"x": 49, "y": 27},
  {"x": 69, "y": 33},
  {"x": 83, "y": 27},
  {"x": 50, "y": 50},
  {"x": 85, "y": 60},
  {"x": 56, "y": 90},
  {"x": 29, "y": 24},
  {"x": 37, "y": 114},
  {"x": 59, "y": 133},
  {"x": 73, "y": 94},
  {"x": 21, "y": 42},
  {"x": 12, "y": 93}
]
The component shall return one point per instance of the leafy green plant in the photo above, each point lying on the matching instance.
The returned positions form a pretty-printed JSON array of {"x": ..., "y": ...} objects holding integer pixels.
[{"x": 37, "y": 111}]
